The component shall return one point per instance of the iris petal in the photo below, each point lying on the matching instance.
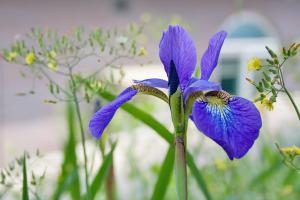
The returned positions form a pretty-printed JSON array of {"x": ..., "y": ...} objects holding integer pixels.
[
  {"x": 234, "y": 125},
  {"x": 153, "y": 82},
  {"x": 176, "y": 45},
  {"x": 210, "y": 57},
  {"x": 200, "y": 85},
  {"x": 103, "y": 116}
]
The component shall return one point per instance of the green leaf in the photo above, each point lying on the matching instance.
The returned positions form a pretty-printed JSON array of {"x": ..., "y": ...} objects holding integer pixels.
[
  {"x": 267, "y": 77},
  {"x": 69, "y": 177},
  {"x": 163, "y": 132},
  {"x": 101, "y": 174},
  {"x": 271, "y": 52},
  {"x": 265, "y": 83},
  {"x": 165, "y": 173},
  {"x": 25, "y": 194}
]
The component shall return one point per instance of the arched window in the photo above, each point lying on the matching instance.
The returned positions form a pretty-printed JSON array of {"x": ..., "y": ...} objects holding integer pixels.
[{"x": 248, "y": 34}]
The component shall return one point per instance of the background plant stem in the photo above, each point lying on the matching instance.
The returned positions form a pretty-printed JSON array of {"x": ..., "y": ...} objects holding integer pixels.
[
  {"x": 77, "y": 108},
  {"x": 287, "y": 92},
  {"x": 293, "y": 102},
  {"x": 110, "y": 183}
]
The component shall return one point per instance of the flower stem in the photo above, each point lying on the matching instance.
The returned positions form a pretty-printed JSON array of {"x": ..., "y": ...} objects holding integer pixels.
[
  {"x": 293, "y": 102},
  {"x": 77, "y": 108},
  {"x": 180, "y": 167},
  {"x": 287, "y": 92}
]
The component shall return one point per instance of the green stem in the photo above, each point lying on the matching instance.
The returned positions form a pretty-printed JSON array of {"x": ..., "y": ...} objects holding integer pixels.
[
  {"x": 77, "y": 108},
  {"x": 180, "y": 125},
  {"x": 180, "y": 167},
  {"x": 287, "y": 92},
  {"x": 293, "y": 102}
]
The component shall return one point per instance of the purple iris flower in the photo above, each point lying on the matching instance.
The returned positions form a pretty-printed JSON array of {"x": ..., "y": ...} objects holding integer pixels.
[{"x": 232, "y": 122}]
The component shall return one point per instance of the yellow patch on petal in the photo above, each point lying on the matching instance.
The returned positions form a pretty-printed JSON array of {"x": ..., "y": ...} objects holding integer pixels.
[
  {"x": 30, "y": 58},
  {"x": 254, "y": 64}
]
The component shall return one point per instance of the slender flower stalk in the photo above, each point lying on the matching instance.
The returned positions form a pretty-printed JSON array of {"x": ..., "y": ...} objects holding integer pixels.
[
  {"x": 288, "y": 93},
  {"x": 293, "y": 102},
  {"x": 77, "y": 108},
  {"x": 232, "y": 122}
]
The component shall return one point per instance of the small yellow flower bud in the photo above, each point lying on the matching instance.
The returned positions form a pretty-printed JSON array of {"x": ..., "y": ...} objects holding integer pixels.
[
  {"x": 96, "y": 84},
  {"x": 254, "y": 64},
  {"x": 30, "y": 58},
  {"x": 11, "y": 56},
  {"x": 220, "y": 164},
  {"x": 267, "y": 104},
  {"x": 292, "y": 151},
  {"x": 53, "y": 66},
  {"x": 52, "y": 54},
  {"x": 143, "y": 52}
]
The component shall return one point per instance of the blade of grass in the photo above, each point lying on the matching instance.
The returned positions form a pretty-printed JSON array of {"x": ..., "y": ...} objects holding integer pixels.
[
  {"x": 164, "y": 133},
  {"x": 165, "y": 173},
  {"x": 69, "y": 177},
  {"x": 101, "y": 174},
  {"x": 25, "y": 194}
]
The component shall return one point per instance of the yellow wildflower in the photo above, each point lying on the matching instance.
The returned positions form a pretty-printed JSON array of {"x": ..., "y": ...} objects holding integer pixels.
[
  {"x": 53, "y": 66},
  {"x": 11, "y": 56},
  {"x": 220, "y": 164},
  {"x": 293, "y": 150},
  {"x": 30, "y": 58},
  {"x": 267, "y": 104},
  {"x": 254, "y": 64},
  {"x": 143, "y": 52}
]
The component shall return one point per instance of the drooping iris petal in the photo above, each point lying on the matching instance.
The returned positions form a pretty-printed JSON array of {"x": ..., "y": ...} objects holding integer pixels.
[
  {"x": 200, "y": 85},
  {"x": 176, "y": 45},
  {"x": 153, "y": 82},
  {"x": 210, "y": 57},
  {"x": 103, "y": 116},
  {"x": 233, "y": 125}
]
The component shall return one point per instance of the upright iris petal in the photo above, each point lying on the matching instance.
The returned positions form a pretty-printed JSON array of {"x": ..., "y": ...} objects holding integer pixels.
[
  {"x": 232, "y": 122},
  {"x": 103, "y": 116},
  {"x": 177, "y": 47},
  {"x": 210, "y": 57}
]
